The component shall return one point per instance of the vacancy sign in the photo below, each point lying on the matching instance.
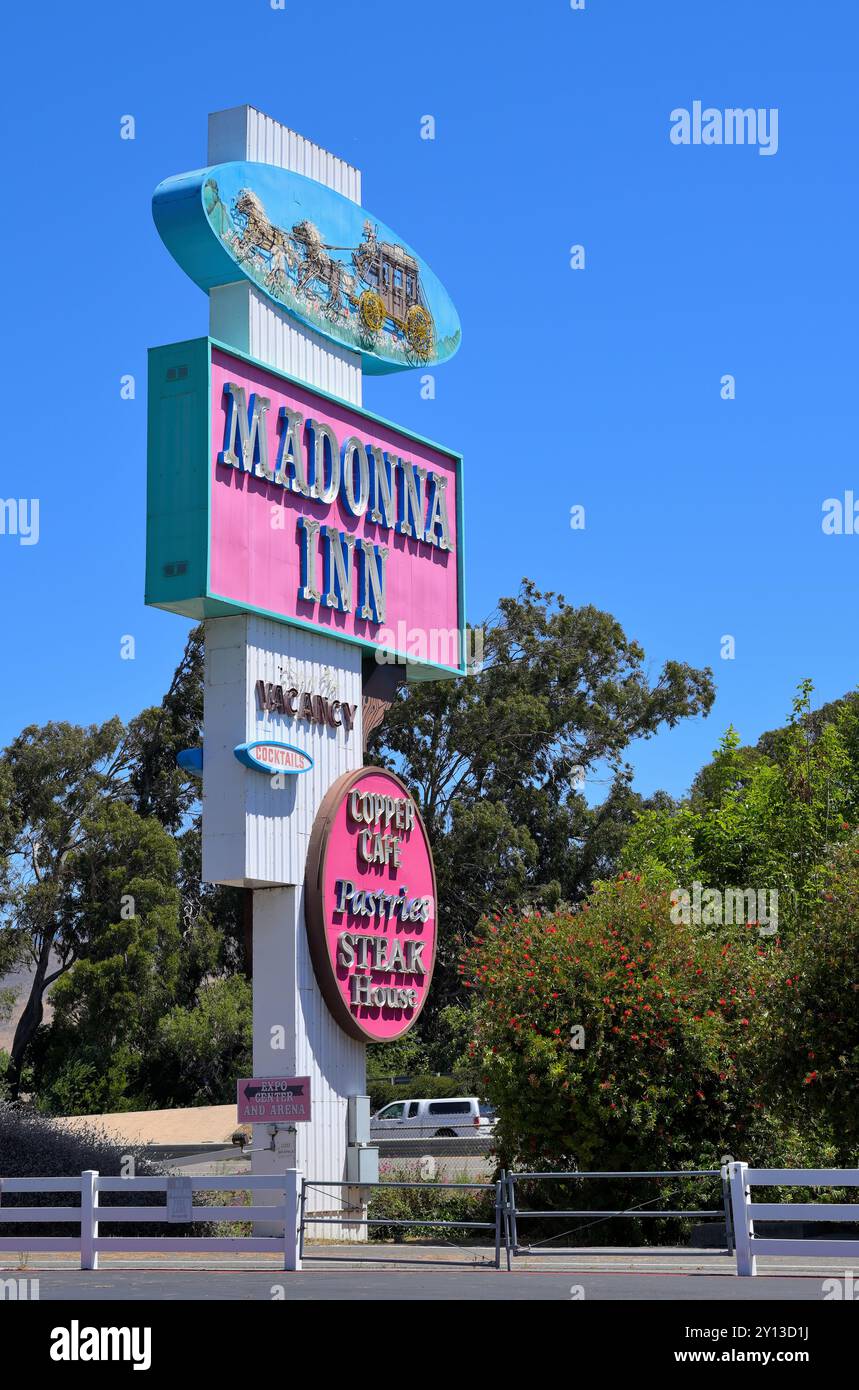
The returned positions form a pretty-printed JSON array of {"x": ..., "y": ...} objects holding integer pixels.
[{"x": 273, "y": 1099}]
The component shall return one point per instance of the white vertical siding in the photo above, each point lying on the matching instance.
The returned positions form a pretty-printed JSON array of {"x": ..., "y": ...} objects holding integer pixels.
[
  {"x": 315, "y": 1046},
  {"x": 256, "y": 834},
  {"x": 243, "y": 132},
  {"x": 277, "y": 839},
  {"x": 239, "y": 314}
]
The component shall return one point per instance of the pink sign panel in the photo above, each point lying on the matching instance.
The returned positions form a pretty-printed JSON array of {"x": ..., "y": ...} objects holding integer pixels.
[
  {"x": 324, "y": 515},
  {"x": 370, "y": 904},
  {"x": 273, "y": 1099}
]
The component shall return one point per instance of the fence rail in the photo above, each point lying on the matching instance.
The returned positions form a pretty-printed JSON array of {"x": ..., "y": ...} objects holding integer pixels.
[
  {"x": 746, "y": 1212},
  {"x": 91, "y": 1213},
  {"x": 736, "y": 1178},
  {"x": 515, "y": 1213},
  {"x": 498, "y": 1225}
]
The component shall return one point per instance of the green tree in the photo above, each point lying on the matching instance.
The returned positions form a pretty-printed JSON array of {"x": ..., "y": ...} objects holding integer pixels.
[
  {"x": 762, "y": 820},
  {"x": 499, "y": 759},
  {"x": 54, "y": 779},
  {"x": 198, "y": 1051},
  {"x": 156, "y": 785},
  {"x": 811, "y": 1048},
  {"x": 68, "y": 796},
  {"x": 122, "y": 909}
]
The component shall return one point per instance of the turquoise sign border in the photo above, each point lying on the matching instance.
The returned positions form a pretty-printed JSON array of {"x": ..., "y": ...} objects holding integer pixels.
[{"x": 178, "y": 496}]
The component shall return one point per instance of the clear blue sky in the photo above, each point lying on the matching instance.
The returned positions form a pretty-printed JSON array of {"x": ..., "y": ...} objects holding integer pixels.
[{"x": 598, "y": 387}]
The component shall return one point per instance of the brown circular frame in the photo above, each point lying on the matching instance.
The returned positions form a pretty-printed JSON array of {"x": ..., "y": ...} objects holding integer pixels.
[{"x": 314, "y": 911}]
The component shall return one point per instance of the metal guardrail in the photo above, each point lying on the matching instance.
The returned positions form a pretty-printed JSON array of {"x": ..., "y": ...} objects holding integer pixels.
[
  {"x": 514, "y": 1213},
  {"x": 508, "y": 1212},
  {"x": 499, "y": 1225}
]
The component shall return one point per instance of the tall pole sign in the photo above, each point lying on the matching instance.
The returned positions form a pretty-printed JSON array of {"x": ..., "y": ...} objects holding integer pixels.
[{"x": 322, "y": 548}]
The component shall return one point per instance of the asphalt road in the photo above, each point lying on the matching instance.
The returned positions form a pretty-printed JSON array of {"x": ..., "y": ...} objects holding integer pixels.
[{"x": 423, "y": 1284}]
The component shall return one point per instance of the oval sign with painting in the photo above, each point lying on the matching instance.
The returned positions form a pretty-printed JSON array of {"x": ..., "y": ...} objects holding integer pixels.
[
  {"x": 370, "y": 905},
  {"x": 324, "y": 259}
]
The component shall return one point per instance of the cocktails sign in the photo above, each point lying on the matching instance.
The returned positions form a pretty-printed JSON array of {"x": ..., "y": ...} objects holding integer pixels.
[
  {"x": 370, "y": 905},
  {"x": 267, "y": 755},
  {"x": 267, "y": 497}
]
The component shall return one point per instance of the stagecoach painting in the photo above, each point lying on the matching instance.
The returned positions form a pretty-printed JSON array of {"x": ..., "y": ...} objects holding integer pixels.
[{"x": 316, "y": 254}]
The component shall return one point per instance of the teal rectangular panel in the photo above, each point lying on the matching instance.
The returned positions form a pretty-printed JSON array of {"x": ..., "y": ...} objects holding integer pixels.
[{"x": 177, "y": 492}]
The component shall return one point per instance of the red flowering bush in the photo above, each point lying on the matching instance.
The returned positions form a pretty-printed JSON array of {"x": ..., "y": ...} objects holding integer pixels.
[{"x": 671, "y": 1017}]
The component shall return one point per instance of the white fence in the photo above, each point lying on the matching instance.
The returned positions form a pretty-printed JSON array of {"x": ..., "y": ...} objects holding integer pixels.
[
  {"x": 90, "y": 1185},
  {"x": 286, "y": 1212},
  {"x": 746, "y": 1212}
]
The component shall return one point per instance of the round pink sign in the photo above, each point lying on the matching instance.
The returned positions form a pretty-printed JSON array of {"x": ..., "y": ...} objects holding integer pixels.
[{"x": 370, "y": 905}]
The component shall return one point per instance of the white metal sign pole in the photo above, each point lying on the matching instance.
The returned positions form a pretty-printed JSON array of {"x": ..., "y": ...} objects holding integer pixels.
[{"x": 256, "y": 827}]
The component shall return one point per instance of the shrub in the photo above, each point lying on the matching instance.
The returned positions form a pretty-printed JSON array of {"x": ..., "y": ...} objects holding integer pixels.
[
  {"x": 668, "y": 1075},
  {"x": 427, "y": 1202},
  {"x": 811, "y": 1049}
]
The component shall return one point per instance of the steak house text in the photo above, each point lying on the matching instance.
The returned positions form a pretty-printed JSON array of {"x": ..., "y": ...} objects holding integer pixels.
[{"x": 359, "y": 951}]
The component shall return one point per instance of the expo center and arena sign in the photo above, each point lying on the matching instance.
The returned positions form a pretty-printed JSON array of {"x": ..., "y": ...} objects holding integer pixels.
[{"x": 265, "y": 496}]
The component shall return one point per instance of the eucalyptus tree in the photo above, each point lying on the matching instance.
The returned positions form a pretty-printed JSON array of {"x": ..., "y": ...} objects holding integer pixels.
[
  {"x": 77, "y": 804},
  {"x": 56, "y": 779}
]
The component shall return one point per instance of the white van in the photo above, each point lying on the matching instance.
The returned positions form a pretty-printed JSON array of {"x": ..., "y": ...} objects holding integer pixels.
[{"x": 444, "y": 1116}]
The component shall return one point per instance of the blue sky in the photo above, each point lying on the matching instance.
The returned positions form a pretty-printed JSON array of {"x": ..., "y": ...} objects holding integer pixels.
[{"x": 598, "y": 387}]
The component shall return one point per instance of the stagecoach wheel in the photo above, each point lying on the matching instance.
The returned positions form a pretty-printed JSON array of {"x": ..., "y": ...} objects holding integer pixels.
[
  {"x": 372, "y": 310},
  {"x": 419, "y": 330}
]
